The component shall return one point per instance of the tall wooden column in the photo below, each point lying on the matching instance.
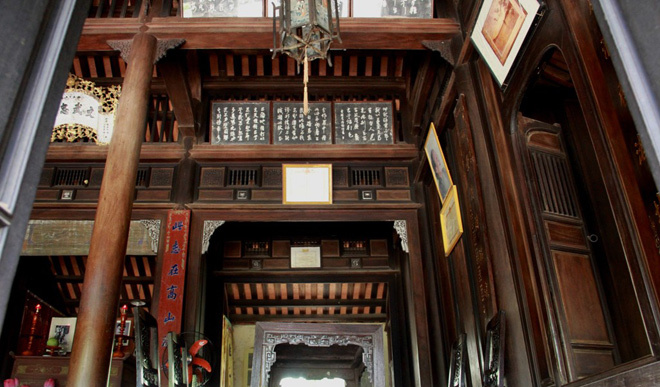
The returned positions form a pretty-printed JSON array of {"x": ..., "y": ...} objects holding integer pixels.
[{"x": 92, "y": 344}]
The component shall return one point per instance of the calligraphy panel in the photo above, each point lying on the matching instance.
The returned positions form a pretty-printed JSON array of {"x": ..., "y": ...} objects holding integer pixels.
[
  {"x": 292, "y": 126},
  {"x": 363, "y": 123},
  {"x": 240, "y": 122}
]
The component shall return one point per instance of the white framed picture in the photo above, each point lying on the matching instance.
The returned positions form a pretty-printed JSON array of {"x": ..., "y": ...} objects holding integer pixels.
[
  {"x": 307, "y": 183},
  {"x": 500, "y": 31},
  {"x": 63, "y": 329}
]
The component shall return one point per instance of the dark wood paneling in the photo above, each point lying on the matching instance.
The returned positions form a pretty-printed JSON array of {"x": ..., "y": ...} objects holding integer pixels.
[
  {"x": 215, "y": 194},
  {"x": 565, "y": 235},
  {"x": 348, "y": 195},
  {"x": 212, "y": 177},
  {"x": 392, "y": 195},
  {"x": 267, "y": 195},
  {"x": 330, "y": 248},
  {"x": 153, "y": 195}
]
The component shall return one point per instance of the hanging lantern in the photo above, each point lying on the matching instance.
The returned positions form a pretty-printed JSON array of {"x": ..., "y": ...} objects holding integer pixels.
[{"x": 306, "y": 30}]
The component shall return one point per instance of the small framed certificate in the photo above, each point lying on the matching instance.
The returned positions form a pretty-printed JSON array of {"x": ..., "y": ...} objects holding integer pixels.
[
  {"x": 307, "y": 183},
  {"x": 306, "y": 257}
]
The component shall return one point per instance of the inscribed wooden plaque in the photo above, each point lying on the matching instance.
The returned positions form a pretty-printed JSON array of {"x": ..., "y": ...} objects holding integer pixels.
[
  {"x": 363, "y": 123},
  {"x": 240, "y": 123},
  {"x": 292, "y": 126}
]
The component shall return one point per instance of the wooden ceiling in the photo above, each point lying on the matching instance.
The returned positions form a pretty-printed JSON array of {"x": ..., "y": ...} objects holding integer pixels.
[{"x": 307, "y": 301}]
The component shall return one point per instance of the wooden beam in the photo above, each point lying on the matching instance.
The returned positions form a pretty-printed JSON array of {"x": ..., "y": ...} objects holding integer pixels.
[
  {"x": 172, "y": 68},
  {"x": 312, "y": 303},
  {"x": 332, "y": 318},
  {"x": 257, "y": 33},
  {"x": 317, "y": 85}
]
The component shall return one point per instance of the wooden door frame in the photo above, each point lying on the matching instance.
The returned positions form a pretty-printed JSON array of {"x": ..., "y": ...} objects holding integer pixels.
[
  {"x": 269, "y": 334},
  {"x": 417, "y": 319}
]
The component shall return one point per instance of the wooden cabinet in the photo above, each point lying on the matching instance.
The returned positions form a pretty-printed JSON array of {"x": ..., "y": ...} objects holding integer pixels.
[{"x": 35, "y": 370}]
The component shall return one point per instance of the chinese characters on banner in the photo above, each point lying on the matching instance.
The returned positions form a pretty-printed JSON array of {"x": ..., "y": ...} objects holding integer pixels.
[
  {"x": 240, "y": 123},
  {"x": 173, "y": 276},
  {"x": 363, "y": 123},
  {"x": 292, "y": 126}
]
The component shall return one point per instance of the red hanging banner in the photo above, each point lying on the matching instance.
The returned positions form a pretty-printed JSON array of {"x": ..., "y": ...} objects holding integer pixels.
[{"x": 172, "y": 282}]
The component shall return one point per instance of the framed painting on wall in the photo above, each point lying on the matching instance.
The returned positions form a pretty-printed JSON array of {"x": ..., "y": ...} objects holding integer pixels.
[
  {"x": 500, "y": 31},
  {"x": 437, "y": 163},
  {"x": 450, "y": 221}
]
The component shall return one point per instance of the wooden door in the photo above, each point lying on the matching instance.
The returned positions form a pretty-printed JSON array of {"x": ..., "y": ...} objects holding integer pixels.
[{"x": 584, "y": 345}]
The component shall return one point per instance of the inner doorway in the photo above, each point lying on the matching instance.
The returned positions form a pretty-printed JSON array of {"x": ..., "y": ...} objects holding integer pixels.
[{"x": 253, "y": 277}]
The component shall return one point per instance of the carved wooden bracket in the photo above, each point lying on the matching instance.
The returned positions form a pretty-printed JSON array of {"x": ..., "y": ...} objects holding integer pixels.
[
  {"x": 402, "y": 229},
  {"x": 443, "y": 47},
  {"x": 124, "y": 47},
  {"x": 209, "y": 228}
]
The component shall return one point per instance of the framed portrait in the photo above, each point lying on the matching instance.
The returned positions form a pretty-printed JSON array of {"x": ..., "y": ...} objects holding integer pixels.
[
  {"x": 307, "y": 183},
  {"x": 500, "y": 31},
  {"x": 450, "y": 221},
  {"x": 127, "y": 330},
  {"x": 438, "y": 164},
  {"x": 63, "y": 328},
  {"x": 223, "y": 8}
]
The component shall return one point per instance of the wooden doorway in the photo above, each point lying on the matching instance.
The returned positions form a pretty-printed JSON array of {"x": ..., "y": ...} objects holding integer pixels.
[{"x": 367, "y": 339}]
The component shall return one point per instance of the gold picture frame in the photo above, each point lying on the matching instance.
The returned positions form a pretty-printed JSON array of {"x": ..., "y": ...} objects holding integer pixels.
[
  {"x": 438, "y": 164},
  {"x": 307, "y": 183},
  {"x": 450, "y": 221}
]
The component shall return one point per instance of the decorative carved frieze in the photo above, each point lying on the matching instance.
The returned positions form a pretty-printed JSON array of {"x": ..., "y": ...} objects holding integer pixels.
[
  {"x": 163, "y": 45},
  {"x": 209, "y": 228},
  {"x": 402, "y": 229},
  {"x": 153, "y": 228},
  {"x": 271, "y": 340}
]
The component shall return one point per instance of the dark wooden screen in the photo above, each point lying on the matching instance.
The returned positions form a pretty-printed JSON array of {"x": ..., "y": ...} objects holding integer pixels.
[{"x": 586, "y": 344}]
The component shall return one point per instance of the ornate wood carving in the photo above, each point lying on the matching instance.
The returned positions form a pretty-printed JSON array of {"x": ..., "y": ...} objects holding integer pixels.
[
  {"x": 124, "y": 47},
  {"x": 271, "y": 177},
  {"x": 209, "y": 228},
  {"x": 161, "y": 177},
  {"x": 474, "y": 210},
  {"x": 494, "y": 351},
  {"x": 153, "y": 228},
  {"x": 396, "y": 177},
  {"x": 269, "y": 335},
  {"x": 458, "y": 362},
  {"x": 443, "y": 47},
  {"x": 212, "y": 177},
  {"x": 402, "y": 229}
]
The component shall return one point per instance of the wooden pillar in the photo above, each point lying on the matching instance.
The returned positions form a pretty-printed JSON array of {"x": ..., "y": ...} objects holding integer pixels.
[{"x": 98, "y": 305}]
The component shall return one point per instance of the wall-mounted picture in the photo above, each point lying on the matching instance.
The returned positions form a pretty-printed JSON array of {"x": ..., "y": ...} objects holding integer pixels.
[
  {"x": 501, "y": 28},
  {"x": 450, "y": 221},
  {"x": 307, "y": 183},
  {"x": 437, "y": 163},
  {"x": 63, "y": 328},
  {"x": 127, "y": 330}
]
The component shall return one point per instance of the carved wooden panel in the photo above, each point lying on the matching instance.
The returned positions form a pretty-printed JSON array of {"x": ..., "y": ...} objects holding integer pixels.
[
  {"x": 46, "y": 177},
  {"x": 153, "y": 195},
  {"x": 212, "y": 177},
  {"x": 584, "y": 314},
  {"x": 272, "y": 177},
  {"x": 215, "y": 194},
  {"x": 267, "y": 195},
  {"x": 330, "y": 248},
  {"x": 340, "y": 177},
  {"x": 345, "y": 195},
  {"x": 565, "y": 235},
  {"x": 96, "y": 177},
  {"x": 392, "y": 195},
  {"x": 161, "y": 177},
  {"x": 545, "y": 141},
  {"x": 396, "y": 177},
  {"x": 474, "y": 212}
]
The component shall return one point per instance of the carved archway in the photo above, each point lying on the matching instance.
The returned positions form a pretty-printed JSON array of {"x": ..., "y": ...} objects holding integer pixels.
[{"x": 270, "y": 334}]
